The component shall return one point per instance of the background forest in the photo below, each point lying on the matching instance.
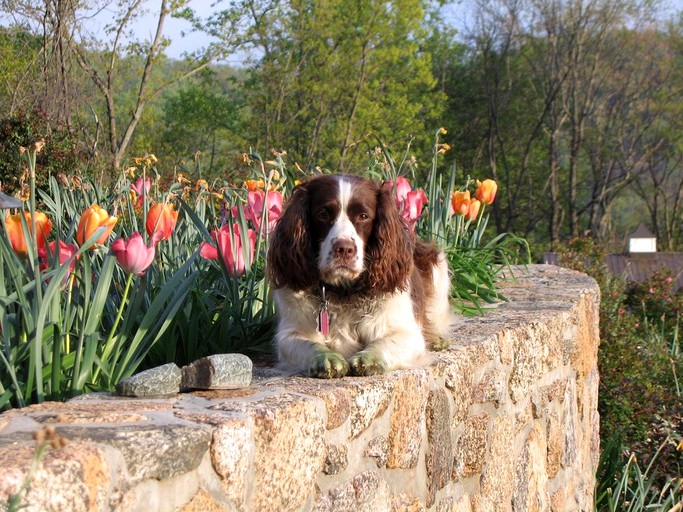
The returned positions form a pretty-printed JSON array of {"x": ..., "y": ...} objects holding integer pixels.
[{"x": 573, "y": 107}]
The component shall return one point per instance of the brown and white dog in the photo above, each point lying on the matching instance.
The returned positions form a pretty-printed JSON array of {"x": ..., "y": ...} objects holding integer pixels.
[{"x": 354, "y": 289}]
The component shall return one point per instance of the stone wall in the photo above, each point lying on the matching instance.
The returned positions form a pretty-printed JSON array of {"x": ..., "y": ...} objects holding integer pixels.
[{"x": 506, "y": 420}]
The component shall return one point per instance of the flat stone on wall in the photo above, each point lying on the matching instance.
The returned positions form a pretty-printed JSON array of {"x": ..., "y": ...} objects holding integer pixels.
[{"x": 505, "y": 420}]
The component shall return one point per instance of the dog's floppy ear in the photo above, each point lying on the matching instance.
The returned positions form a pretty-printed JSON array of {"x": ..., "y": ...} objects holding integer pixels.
[
  {"x": 290, "y": 259},
  {"x": 390, "y": 249}
]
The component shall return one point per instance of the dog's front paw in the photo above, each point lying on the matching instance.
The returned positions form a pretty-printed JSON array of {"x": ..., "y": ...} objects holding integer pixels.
[
  {"x": 328, "y": 365},
  {"x": 367, "y": 362},
  {"x": 440, "y": 343}
]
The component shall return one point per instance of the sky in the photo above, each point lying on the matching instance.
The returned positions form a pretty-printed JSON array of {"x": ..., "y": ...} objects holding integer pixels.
[
  {"x": 182, "y": 39},
  {"x": 178, "y": 30},
  {"x": 457, "y": 11}
]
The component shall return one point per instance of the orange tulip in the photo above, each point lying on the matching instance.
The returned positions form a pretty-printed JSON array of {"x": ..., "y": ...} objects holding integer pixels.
[
  {"x": 161, "y": 218},
  {"x": 473, "y": 211},
  {"x": 92, "y": 219},
  {"x": 486, "y": 191},
  {"x": 15, "y": 232},
  {"x": 253, "y": 185},
  {"x": 461, "y": 202}
]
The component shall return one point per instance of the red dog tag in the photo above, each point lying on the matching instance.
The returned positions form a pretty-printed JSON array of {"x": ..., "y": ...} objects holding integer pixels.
[
  {"x": 324, "y": 321},
  {"x": 323, "y": 315}
]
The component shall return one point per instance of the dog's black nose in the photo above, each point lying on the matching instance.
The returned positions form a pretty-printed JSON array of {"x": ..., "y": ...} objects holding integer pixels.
[{"x": 344, "y": 248}]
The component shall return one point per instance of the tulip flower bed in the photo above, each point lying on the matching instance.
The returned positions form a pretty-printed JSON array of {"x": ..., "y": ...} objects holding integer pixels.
[{"x": 98, "y": 282}]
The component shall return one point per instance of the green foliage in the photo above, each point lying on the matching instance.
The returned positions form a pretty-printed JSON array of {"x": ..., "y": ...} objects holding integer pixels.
[
  {"x": 71, "y": 327},
  {"x": 19, "y": 53},
  {"x": 657, "y": 300},
  {"x": 323, "y": 80},
  {"x": 231, "y": 313},
  {"x": 623, "y": 486},
  {"x": 640, "y": 393},
  {"x": 199, "y": 116},
  {"x": 637, "y": 370},
  {"x": 59, "y": 155},
  {"x": 335, "y": 75},
  {"x": 475, "y": 265}
]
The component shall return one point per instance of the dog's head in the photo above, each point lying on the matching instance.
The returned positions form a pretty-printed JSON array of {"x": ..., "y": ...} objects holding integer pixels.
[{"x": 343, "y": 231}]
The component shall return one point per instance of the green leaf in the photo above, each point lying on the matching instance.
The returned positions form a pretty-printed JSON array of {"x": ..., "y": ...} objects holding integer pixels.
[
  {"x": 174, "y": 291},
  {"x": 94, "y": 314}
]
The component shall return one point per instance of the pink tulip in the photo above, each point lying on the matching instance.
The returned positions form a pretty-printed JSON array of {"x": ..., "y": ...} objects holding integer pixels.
[
  {"x": 132, "y": 254},
  {"x": 230, "y": 247},
  {"x": 408, "y": 201},
  {"x": 403, "y": 188},
  {"x": 413, "y": 206},
  {"x": 141, "y": 186},
  {"x": 254, "y": 209}
]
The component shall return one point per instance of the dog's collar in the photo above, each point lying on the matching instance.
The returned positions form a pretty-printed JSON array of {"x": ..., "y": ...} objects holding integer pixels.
[{"x": 326, "y": 290}]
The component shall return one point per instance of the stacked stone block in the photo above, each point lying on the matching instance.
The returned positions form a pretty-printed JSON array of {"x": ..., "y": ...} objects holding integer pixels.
[{"x": 505, "y": 420}]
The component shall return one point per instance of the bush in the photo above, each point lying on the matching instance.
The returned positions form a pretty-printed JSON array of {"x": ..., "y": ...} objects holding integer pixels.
[
  {"x": 60, "y": 156},
  {"x": 640, "y": 395},
  {"x": 635, "y": 355}
]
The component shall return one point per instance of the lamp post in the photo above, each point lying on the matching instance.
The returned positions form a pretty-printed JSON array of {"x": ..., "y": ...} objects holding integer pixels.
[{"x": 9, "y": 201}]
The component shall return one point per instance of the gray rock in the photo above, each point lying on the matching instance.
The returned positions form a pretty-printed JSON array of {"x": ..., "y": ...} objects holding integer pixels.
[
  {"x": 150, "y": 451},
  {"x": 378, "y": 449},
  {"x": 219, "y": 371},
  {"x": 336, "y": 459},
  {"x": 439, "y": 456},
  {"x": 162, "y": 380}
]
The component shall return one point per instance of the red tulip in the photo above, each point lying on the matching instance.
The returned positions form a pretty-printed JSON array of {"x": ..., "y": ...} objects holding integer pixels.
[
  {"x": 15, "y": 231},
  {"x": 254, "y": 210},
  {"x": 161, "y": 218},
  {"x": 132, "y": 254},
  {"x": 66, "y": 253},
  {"x": 230, "y": 247}
]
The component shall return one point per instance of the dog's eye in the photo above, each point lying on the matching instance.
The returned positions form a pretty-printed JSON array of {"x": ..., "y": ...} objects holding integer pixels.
[
  {"x": 363, "y": 216},
  {"x": 323, "y": 216}
]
